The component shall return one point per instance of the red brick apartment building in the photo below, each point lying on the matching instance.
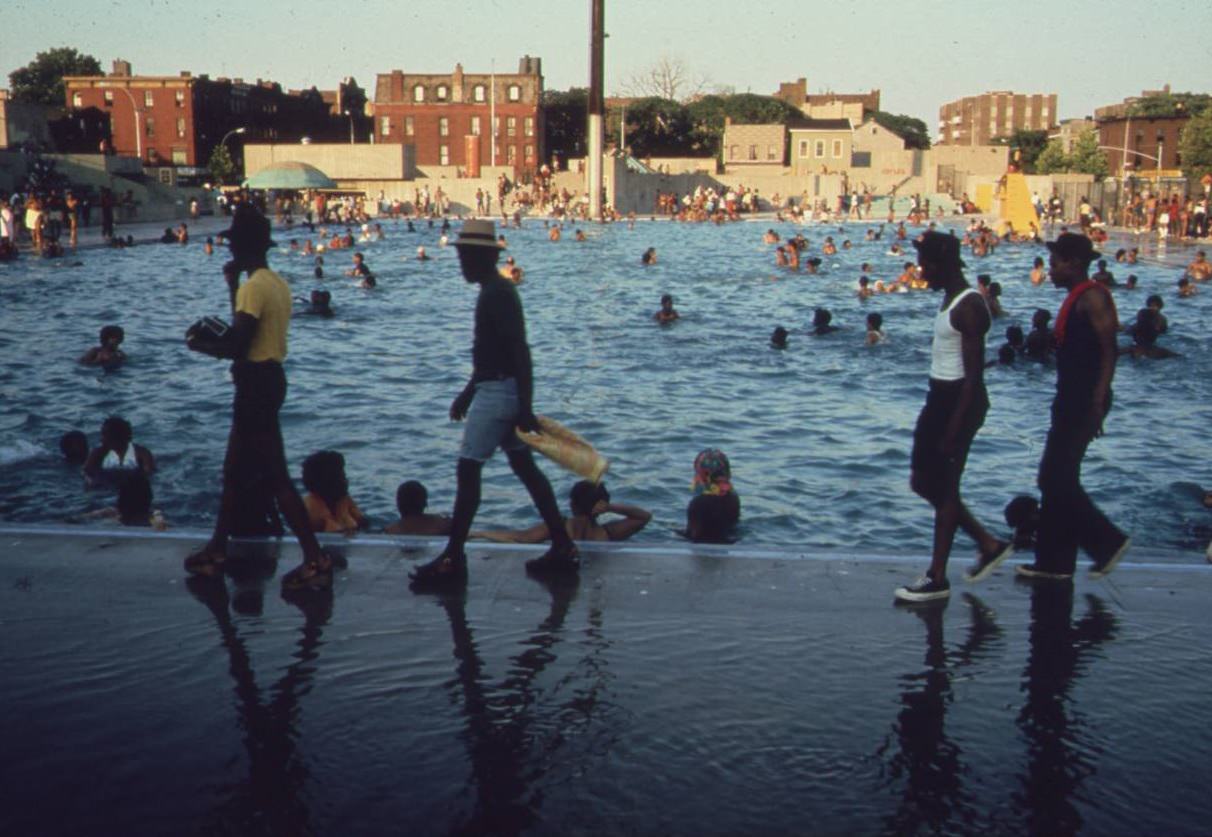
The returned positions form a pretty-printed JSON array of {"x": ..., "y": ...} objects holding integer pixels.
[
  {"x": 976, "y": 120},
  {"x": 178, "y": 120},
  {"x": 448, "y": 118}
]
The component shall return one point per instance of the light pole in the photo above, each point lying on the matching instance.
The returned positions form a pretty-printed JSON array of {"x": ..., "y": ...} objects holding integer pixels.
[
  {"x": 349, "y": 113},
  {"x": 239, "y": 130},
  {"x": 138, "y": 136}
]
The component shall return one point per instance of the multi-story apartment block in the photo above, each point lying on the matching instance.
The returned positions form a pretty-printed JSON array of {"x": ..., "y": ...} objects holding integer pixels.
[
  {"x": 463, "y": 119},
  {"x": 978, "y": 120}
]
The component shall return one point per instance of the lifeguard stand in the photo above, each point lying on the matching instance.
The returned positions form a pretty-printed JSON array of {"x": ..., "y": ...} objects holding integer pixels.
[{"x": 1014, "y": 208}]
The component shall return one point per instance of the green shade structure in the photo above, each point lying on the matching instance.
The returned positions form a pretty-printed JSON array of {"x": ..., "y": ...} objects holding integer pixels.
[{"x": 290, "y": 176}]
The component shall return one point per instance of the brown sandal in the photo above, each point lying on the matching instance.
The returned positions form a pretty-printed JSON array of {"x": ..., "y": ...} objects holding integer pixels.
[
  {"x": 444, "y": 571},
  {"x": 205, "y": 562},
  {"x": 310, "y": 575}
]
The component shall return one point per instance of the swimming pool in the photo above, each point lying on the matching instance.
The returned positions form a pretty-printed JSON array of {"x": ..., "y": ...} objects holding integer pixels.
[{"x": 818, "y": 434}]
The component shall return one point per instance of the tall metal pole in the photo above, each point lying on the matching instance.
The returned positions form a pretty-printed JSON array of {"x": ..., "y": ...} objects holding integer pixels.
[
  {"x": 138, "y": 136},
  {"x": 597, "y": 101}
]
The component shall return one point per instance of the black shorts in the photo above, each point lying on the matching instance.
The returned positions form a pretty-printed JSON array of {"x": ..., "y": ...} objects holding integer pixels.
[
  {"x": 256, "y": 440},
  {"x": 927, "y": 461}
]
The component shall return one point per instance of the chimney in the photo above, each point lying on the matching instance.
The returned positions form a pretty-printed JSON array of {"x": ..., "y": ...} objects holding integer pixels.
[
  {"x": 121, "y": 68},
  {"x": 456, "y": 83}
]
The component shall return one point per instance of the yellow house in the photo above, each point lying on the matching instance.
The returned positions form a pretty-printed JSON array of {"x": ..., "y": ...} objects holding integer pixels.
[{"x": 821, "y": 146}]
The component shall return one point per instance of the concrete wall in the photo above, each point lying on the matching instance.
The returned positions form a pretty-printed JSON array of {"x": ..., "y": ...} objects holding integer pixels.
[
  {"x": 381, "y": 161},
  {"x": 682, "y": 165}
]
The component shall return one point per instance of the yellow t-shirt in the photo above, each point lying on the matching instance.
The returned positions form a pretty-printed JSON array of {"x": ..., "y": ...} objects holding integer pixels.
[{"x": 266, "y": 296}]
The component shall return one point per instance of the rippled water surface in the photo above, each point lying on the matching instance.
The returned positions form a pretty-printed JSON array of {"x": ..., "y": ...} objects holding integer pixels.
[{"x": 818, "y": 435}]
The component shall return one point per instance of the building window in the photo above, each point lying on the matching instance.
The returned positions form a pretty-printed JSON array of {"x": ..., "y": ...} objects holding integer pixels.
[
  {"x": 150, "y": 124},
  {"x": 530, "y": 153},
  {"x": 514, "y": 93},
  {"x": 496, "y": 126},
  {"x": 772, "y": 152},
  {"x": 444, "y": 155},
  {"x": 180, "y": 97},
  {"x": 109, "y": 97},
  {"x": 181, "y": 127},
  {"x": 837, "y": 148},
  {"x": 442, "y": 91},
  {"x": 179, "y": 157},
  {"x": 529, "y": 123},
  {"x": 77, "y": 100},
  {"x": 819, "y": 149},
  {"x": 477, "y": 93},
  {"x": 803, "y": 148},
  {"x": 753, "y": 152},
  {"x": 475, "y": 126},
  {"x": 734, "y": 152},
  {"x": 148, "y": 99},
  {"x": 511, "y": 126},
  {"x": 384, "y": 125},
  {"x": 511, "y": 154},
  {"x": 418, "y": 93},
  {"x": 443, "y": 127},
  {"x": 408, "y": 126}
]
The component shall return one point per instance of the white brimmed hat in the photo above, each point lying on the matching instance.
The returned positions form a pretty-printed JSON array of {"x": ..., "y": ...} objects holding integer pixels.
[{"x": 478, "y": 233}]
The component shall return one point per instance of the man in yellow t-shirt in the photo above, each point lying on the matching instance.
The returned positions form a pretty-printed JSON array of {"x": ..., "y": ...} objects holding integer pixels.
[{"x": 256, "y": 459}]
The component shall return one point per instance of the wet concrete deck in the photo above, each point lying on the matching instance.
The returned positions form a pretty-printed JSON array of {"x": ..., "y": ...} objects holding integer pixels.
[{"x": 676, "y": 691}]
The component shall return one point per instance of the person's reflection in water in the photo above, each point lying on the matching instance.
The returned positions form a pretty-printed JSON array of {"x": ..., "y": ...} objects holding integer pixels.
[
  {"x": 502, "y": 735},
  {"x": 1060, "y": 650},
  {"x": 272, "y": 798},
  {"x": 934, "y": 799}
]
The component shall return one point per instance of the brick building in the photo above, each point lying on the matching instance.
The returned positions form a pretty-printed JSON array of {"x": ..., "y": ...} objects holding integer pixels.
[
  {"x": 449, "y": 118},
  {"x": 977, "y": 120},
  {"x": 1146, "y": 139},
  {"x": 856, "y": 107},
  {"x": 178, "y": 120}
]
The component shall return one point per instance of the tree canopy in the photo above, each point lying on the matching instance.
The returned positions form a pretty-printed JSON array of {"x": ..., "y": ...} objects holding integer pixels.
[
  {"x": 1085, "y": 158},
  {"x": 1171, "y": 104},
  {"x": 911, "y": 129},
  {"x": 1195, "y": 145},
  {"x": 41, "y": 80},
  {"x": 1031, "y": 145},
  {"x": 565, "y": 114}
]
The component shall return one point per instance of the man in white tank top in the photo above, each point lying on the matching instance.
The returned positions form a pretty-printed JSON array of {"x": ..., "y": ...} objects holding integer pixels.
[{"x": 955, "y": 410}]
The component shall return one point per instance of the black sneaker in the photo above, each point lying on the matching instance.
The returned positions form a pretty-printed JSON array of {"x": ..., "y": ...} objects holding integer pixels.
[
  {"x": 555, "y": 561},
  {"x": 1034, "y": 573},
  {"x": 925, "y": 589},
  {"x": 1101, "y": 568},
  {"x": 442, "y": 573},
  {"x": 989, "y": 561}
]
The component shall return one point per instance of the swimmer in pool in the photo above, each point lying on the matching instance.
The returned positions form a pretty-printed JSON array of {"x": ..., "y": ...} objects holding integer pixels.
[
  {"x": 329, "y": 506},
  {"x": 668, "y": 313},
  {"x": 649, "y": 256},
  {"x": 134, "y": 506},
  {"x": 209, "y": 247},
  {"x": 875, "y": 329},
  {"x": 117, "y": 455},
  {"x": 829, "y": 248},
  {"x": 74, "y": 446},
  {"x": 821, "y": 322},
  {"x": 864, "y": 288},
  {"x": 771, "y": 237},
  {"x": 422, "y": 256},
  {"x": 778, "y": 338},
  {"x": 108, "y": 354},
  {"x": 712, "y": 515},
  {"x": 588, "y": 501},
  {"x": 319, "y": 305},
  {"x": 554, "y": 233},
  {"x": 1038, "y": 344},
  {"x": 1200, "y": 270},
  {"x": 411, "y": 500},
  {"x": 359, "y": 269},
  {"x": 1038, "y": 272},
  {"x": 1185, "y": 288},
  {"x": 1145, "y": 331}
]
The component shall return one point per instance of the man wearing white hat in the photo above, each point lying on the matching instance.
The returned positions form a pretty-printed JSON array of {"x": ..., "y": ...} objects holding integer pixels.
[{"x": 496, "y": 400}]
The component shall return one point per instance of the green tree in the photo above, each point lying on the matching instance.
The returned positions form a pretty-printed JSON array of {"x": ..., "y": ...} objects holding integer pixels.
[
  {"x": 1171, "y": 104},
  {"x": 912, "y": 130},
  {"x": 1053, "y": 159},
  {"x": 707, "y": 115},
  {"x": 655, "y": 127},
  {"x": 41, "y": 81},
  {"x": 1195, "y": 145},
  {"x": 1086, "y": 157},
  {"x": 565, "y": 114},
  {"x": 1030, "y": 143},
  {"x": 221, "y": 165}
]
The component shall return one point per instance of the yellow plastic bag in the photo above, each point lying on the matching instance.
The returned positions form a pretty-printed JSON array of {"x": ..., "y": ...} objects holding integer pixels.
[{"x": 566, "y": 449}]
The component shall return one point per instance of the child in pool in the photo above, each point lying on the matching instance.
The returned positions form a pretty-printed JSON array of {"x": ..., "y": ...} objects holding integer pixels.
[
  {"x": 107, "y": 354},
  {"x": 328, "y": 503},
  {"x": 411, "y": 500}
]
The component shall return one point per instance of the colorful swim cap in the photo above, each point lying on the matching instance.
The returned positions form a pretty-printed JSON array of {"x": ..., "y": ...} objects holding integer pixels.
[{"x": 712, "y": 473}]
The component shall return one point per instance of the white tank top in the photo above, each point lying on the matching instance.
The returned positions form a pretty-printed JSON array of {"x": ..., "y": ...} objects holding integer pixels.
[
  {"x": 113, "y": 462},
  {"x": 946, "y": 352}
]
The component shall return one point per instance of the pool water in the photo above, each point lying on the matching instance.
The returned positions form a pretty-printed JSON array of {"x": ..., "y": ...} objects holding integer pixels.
[{"x": 819, "y": 434}]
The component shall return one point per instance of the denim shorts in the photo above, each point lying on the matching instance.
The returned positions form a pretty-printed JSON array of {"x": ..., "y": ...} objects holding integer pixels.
[{"x": 491, "y": 420}]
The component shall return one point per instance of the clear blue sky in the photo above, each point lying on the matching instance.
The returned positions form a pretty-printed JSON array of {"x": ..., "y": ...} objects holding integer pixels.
[{"x": 919, "y": 54}]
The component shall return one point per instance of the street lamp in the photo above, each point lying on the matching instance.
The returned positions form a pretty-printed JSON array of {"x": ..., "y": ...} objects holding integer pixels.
[
  {"x": 349, "y": 113},
  {"x": 138, "y": 136},
  {"x": 239, "y": 130}
]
